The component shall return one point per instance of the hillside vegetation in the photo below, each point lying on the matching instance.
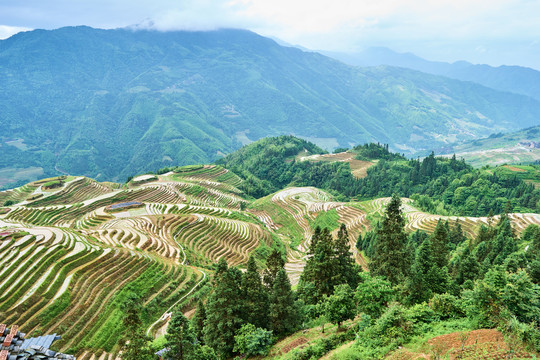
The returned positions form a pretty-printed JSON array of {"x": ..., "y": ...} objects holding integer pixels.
[
  {"x": 101, "y": 263},
  {"x": 111, "y": 103},
  {"x": 521, "y": 147}
]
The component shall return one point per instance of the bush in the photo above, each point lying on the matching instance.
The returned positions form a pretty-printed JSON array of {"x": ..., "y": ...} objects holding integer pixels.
[{"x": 446, "y": 306}]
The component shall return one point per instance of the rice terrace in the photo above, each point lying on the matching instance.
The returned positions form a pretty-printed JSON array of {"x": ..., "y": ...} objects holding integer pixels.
[{"x": 73, "y": 251}]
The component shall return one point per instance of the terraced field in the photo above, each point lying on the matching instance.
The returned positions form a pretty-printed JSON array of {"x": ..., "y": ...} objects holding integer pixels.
[{"x": 68, "y": 263}]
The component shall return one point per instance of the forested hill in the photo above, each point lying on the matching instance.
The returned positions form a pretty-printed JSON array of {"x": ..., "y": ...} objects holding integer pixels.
[
  {"x": 111, "y": 103},
  {"x": 438, "y": 185}
]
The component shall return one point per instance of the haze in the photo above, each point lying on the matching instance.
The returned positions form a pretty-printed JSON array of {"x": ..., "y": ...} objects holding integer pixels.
[{"x": 494, "y": 32}]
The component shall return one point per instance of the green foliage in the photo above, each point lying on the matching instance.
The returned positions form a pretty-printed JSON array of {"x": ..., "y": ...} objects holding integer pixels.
[
  {"x": 447, "y": 306},
  {"x": 180, "y": 338},
  {"x": 198, "y": 321},
  {"x": 136, "y": 345},
  {"x": 373, "y": 295},
  {"x": 274, "y": 263},
  {"x": 440, "y": 185},
  {"x": 390, "y": 257},
  {"x": 340, "y": 306},
  {"x": 284, "y": 314},
  {"x": 377, "y": 151},
  {"x": 255, "y": 296},
  {"x": 330, "y": 264},
  {"x": 252, "y": 341},
  {"x": 224, "y": 311}
]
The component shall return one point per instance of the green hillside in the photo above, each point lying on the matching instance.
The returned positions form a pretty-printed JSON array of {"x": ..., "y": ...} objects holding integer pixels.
[
  {"x": 112, "y": 103},
  {"x": 502, "y": 148},
  {"x": 101, "y": 263}
]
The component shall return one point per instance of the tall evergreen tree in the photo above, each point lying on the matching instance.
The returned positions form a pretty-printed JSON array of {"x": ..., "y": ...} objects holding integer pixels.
[
  {"x": 456, "y": 235},
  {"x": 180, "y": 338},
  {"x": 347, "y": 268},
  {"x": 198, "y": 321},
  {"x": 439, "y": 244},
  {"x": 284, "y": 317},
  {"x": 224, "y": 313},
  {"x": 321, "y": 269},
  {"x": 426, "y": 277},
  {"x": 136, "y": 345},
  {"x": 255, "y": 297},
  {"x": 504, "y": 242},
  {"x": 274, "y": 263},
  {"x": 390, "y": 256}
]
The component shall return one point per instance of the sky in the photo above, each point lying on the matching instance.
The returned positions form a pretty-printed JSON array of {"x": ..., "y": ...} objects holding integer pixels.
[{"x": 494, "y": 32}]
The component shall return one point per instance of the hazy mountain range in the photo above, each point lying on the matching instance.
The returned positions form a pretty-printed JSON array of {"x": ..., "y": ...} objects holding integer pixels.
[
  {"x": 111, "y": 103},
  {"x": 517, "y": 79}
]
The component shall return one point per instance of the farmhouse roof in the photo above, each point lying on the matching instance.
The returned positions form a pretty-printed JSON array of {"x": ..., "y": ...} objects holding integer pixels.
[{"x": 13, "y": 346}]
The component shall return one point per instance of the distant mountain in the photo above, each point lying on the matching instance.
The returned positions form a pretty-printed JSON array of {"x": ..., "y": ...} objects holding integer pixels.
[
  {"x": 111, "y": 103},
  {"x": 516, "y": 79}
]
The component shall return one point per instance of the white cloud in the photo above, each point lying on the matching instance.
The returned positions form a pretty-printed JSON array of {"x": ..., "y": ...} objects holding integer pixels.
[
  {"x": 7, "y": 31},
  {"x": 438, "y": 29}
]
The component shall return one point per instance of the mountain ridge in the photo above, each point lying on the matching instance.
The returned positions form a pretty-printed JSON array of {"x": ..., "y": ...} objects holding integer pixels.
[
  {"x": 110, "y": 103},
  {"x": 517, "y": 79}
]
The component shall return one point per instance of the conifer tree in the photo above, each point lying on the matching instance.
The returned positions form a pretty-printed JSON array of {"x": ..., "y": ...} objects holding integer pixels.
[
  {"x": 504, "y": 242},
  {"x": 180, "y": 338},
  {"x": 439, "y": 245},
  {"x": 284, "y": 317},
  {"x": 456, "y": 234},
  {"x": 426, "y": 277},
  {"x": 274, "y": 263},
  {"x": 390, "y": 257},
  {"x": 347, "y": 268},
  {"x": 224, "y": 313},
  {"x": 467, "y": 267},
  {"x": 136, "y": 345},
  {"x": 321, "y": 269},
  {"x": 198, "y": 321},
  {"x": 255, "y": 297}
]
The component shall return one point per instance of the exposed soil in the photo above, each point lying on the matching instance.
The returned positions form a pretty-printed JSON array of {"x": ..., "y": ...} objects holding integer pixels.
[
  {"x": 487, "y": 344},
  {"x": 358, "y": 167},
  {"x": 294, "y": 344},
  {"x": 513, "y": 168}
]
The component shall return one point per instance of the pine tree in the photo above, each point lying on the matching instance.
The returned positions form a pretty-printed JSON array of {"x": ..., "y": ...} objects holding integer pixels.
[
  {"x": 224, "y": 313},
  {"x": 274, "y": 263},
  {"x": 347, "y": 268},
  {"x": 198, "y": 321},
  {"x": 136, "y": 345},
  {"x": 504, "y": 243},
  {"x": 439, "y": 245},
  {"x": 180, "y": 338},
  {"x": 456, "y": 233},
  {"x": 284, "y": 317},
  {"x": 321, "y": 269},
  {"x": 426, "y": 277},
  {"x": 255, "y": 296},
  {"x": 390, "y": 257}
]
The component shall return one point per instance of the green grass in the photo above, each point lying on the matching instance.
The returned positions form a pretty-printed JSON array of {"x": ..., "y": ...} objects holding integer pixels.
[{"x": 326, "y": 219}]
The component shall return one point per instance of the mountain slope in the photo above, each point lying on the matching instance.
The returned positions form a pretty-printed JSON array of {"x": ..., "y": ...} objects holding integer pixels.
[
  {"x": 110, "y": 103},
  {"x": 516, "y": 79},
  {"x": 512, "y": 148}
]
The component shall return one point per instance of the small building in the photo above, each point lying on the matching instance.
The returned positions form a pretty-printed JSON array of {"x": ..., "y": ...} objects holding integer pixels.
[{"x": 14, "y": 346}]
